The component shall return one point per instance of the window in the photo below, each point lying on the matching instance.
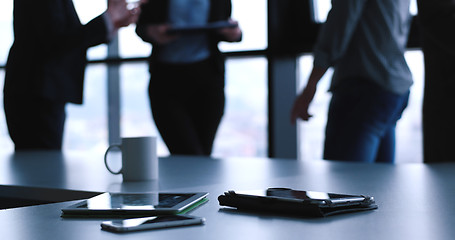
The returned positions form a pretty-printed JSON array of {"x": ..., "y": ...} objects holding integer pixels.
[
  {"x": 253, "y": 24},
  {"x": 6, "y": 31},
  {"x": 87, "y": 10},
  {"x": 254, "y": 28},
  {"x": 242, "y": 131}
]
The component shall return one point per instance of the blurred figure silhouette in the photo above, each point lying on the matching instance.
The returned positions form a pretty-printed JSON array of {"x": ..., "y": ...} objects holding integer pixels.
[
  {"x": 187, "y": 70},
  {"x": 437, "y": 19},
  {"x": 364, "y": 41},
  {"x": 46, "y": 64}
]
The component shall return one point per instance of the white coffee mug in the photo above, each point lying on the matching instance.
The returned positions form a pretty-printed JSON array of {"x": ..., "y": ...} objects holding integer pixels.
[{"x": 139, "y": 159}]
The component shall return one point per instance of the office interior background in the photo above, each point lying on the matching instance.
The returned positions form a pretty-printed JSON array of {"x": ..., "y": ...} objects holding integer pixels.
[{"x": 244, "y": 131}]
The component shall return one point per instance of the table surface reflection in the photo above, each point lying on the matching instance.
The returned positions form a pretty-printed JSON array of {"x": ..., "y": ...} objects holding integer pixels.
[{"x": 415, "y": 200}]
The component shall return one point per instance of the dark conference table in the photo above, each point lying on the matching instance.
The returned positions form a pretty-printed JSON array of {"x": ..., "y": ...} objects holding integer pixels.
[{"x": 416, "y": 201}]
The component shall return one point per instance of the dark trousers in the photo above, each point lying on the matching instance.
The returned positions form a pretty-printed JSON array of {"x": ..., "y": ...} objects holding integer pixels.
[
  {"x": 34, "y": 123},
  {"x": 187, "y": 103},
  {"x": 361, "y": 123}
]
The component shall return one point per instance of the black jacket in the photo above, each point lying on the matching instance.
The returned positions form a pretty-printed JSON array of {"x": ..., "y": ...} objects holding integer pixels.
[{"x": 48, "y": 56}]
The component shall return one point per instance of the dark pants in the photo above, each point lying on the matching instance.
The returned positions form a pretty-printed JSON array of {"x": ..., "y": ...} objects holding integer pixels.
[
  {"x": 187, "y": 103},
  {"x": 361, "y": 123},
  {"x": 34, "y": 123}
]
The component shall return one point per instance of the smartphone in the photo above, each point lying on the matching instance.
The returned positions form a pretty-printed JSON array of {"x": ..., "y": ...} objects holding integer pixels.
[
  {"x": 320, "y": 198},
  {"x": 146, "y": 223}
]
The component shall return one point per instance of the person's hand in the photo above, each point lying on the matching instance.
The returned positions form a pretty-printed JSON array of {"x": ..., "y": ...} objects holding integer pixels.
[
  {"x": 159, "y": 33},
  {"x": 121, "y": 15},
  {"x": 302, "y": 103},
  {"x": 231, "y": 34}
]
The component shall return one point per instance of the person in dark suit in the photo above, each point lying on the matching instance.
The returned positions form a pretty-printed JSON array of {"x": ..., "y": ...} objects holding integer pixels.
[
  {"x": 46, "y": 64},
  {"x": 187, "y": 70},
  {"x": 437, "y": 19}
]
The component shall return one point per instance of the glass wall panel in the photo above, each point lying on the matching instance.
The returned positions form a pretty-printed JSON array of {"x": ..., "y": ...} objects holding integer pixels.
[
  {"x": 87, "y": 10},
  {"x": 311, "y": 134},
  {"x": 136, "y": 117},
  {"x": 243, "y": 129},
  {"x": 131, "y": 45},
  {"x": 86, "y": 124},
  {"x": 409, "y": 145},
  {"x": 253, "y": 24},
  {"x": 6, "y": 29},
  {"x": 6, "y": 39},
  {"x": 252, "y": 18},
  {"x": 321, "y": 9}
]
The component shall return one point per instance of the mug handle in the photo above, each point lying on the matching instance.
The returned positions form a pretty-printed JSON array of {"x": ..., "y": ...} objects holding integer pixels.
[{"x": 105, "y": 159}]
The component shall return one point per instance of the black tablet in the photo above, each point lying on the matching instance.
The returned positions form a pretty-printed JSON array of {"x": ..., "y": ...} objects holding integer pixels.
[
  {"x": 319, "y": 198},
  {"x": 135, "y": 204},
  {"x": 201, "y": 28},
  {"x": 298, "y": 202}
]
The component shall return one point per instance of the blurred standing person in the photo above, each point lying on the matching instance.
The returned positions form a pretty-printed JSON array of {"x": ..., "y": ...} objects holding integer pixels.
[
  {"x": 46, "y": 64},
  {"x": 186, "y": 87},
  {"x": 437, "y": 19},
  {"x": 364, "y": 41}
]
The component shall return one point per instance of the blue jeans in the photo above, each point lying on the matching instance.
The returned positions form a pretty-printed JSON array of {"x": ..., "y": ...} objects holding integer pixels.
[{"x": 361, "y": 123}]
